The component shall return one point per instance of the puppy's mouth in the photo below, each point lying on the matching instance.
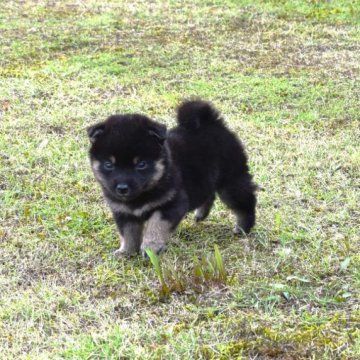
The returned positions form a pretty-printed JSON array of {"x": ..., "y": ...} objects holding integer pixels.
[{"x": 125, "y": 198}]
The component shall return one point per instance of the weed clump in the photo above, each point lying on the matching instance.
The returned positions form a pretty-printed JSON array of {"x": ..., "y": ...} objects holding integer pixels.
[{"x": 206, "y": 272}]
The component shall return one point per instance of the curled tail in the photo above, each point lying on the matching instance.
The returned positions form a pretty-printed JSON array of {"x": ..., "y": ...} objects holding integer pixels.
[{"x": 193, "y": 114}]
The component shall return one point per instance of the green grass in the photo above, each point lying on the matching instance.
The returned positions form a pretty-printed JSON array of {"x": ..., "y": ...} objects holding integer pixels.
[{"x": 286, "y": 76}]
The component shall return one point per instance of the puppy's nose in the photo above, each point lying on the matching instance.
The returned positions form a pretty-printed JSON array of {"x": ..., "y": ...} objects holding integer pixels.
[{"x": 122, "y": 189}]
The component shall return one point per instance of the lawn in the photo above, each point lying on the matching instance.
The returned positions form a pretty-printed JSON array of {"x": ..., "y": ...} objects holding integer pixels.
[{"x": 285, "y": 74}]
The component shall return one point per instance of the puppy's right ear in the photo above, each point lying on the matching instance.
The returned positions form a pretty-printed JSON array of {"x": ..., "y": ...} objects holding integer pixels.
[{"x": 95, "y": 131}]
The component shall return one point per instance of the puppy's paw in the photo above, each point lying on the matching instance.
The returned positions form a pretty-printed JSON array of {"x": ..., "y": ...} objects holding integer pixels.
[
  {"x": 123, "y": 254},
  {"x": 157, "y": 248},
  {"x": 239, "y": 231},
  {"x": 199, "y": 217},
  {"x": 201, "y": 213}
]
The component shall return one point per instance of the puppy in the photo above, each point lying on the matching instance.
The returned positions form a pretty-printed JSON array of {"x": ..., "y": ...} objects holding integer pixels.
[{"x": 151, "y": 178}]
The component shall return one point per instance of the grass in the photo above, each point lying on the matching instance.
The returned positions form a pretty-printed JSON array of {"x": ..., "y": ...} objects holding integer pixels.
[{"x": 286, "y": 76}]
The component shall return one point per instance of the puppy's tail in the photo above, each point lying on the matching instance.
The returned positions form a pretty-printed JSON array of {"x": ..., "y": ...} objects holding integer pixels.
[{"x": 193, "y": 114}]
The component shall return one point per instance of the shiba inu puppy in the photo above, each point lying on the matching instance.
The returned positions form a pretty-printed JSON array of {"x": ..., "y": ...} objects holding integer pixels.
[{"x": 152, "y": 177}]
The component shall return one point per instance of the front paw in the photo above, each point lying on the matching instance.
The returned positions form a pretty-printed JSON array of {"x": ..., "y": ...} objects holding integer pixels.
[
  {"x": 239, "y": 231},
  {"x": 157, "y": 248},
  {"x": 123, "y": 254},
  {"x": 199, "y": 217}
]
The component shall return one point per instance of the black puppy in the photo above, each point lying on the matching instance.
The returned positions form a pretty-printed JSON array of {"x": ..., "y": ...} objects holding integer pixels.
[{"x": 151, "y": 178}]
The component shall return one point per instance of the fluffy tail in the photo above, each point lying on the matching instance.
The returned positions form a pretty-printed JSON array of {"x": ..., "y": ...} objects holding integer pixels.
[{"x": 193, "y": 114}]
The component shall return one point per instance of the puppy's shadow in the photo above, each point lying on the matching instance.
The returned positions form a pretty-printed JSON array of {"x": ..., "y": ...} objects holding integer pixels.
[{"x": 207, "y": 231}]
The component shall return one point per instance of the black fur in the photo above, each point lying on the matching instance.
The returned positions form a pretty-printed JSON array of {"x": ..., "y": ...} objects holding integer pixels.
[{"x": 185, "y": 168}]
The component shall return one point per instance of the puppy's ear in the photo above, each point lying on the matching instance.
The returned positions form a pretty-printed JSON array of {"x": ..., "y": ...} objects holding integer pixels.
[
  {"x": 159, "y": 132},
  {"x": 95, "y": 131}
]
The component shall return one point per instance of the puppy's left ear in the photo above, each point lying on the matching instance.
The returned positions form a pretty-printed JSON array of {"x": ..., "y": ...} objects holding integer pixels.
[
  {"x": 159, "y": 132},
  {"x": 95, "y": 131}
]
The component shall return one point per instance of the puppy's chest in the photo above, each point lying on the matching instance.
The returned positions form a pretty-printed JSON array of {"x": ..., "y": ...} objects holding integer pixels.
[{"x": 141, "y": 210}]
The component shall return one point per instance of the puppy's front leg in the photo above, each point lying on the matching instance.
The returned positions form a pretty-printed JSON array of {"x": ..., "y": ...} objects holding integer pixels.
[
  {"x": 157, "y": 233},
  {"x": 131, "y": 233}
]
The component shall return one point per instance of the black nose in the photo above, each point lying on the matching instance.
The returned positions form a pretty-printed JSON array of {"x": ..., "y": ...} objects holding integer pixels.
[{"x": 122, "y": 189}]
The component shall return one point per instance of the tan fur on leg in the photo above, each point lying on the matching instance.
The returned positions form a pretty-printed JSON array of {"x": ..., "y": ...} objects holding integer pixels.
[{"x": 157, "y": 233}]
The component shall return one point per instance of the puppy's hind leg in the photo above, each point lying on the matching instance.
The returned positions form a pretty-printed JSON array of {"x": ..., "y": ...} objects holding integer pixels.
[
  {"x": 240, "y": 197},
  {"x": 203, "y": 211}
]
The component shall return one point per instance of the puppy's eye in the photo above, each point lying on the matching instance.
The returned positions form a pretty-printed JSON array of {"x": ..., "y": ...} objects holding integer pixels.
[
  {"x": 141, "y": 165},
  {"x": 108, "y": 166}
]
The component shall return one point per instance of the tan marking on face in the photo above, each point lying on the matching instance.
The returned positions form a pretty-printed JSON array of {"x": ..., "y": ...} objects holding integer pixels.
[
  {"x": 160, "y": 166},
  {"x": 159, "y": 171},
  {"x": 112, "y": 159},
  {"x": 95, "y": 165},
  {"x": 136, "y": 160}
]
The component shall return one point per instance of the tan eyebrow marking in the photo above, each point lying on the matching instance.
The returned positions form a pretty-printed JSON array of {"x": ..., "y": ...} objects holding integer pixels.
[{"x": 136, "y": 160}]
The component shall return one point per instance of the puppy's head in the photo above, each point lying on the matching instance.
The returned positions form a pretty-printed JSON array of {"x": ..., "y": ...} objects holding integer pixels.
[{"x": 127, "y": 155}]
